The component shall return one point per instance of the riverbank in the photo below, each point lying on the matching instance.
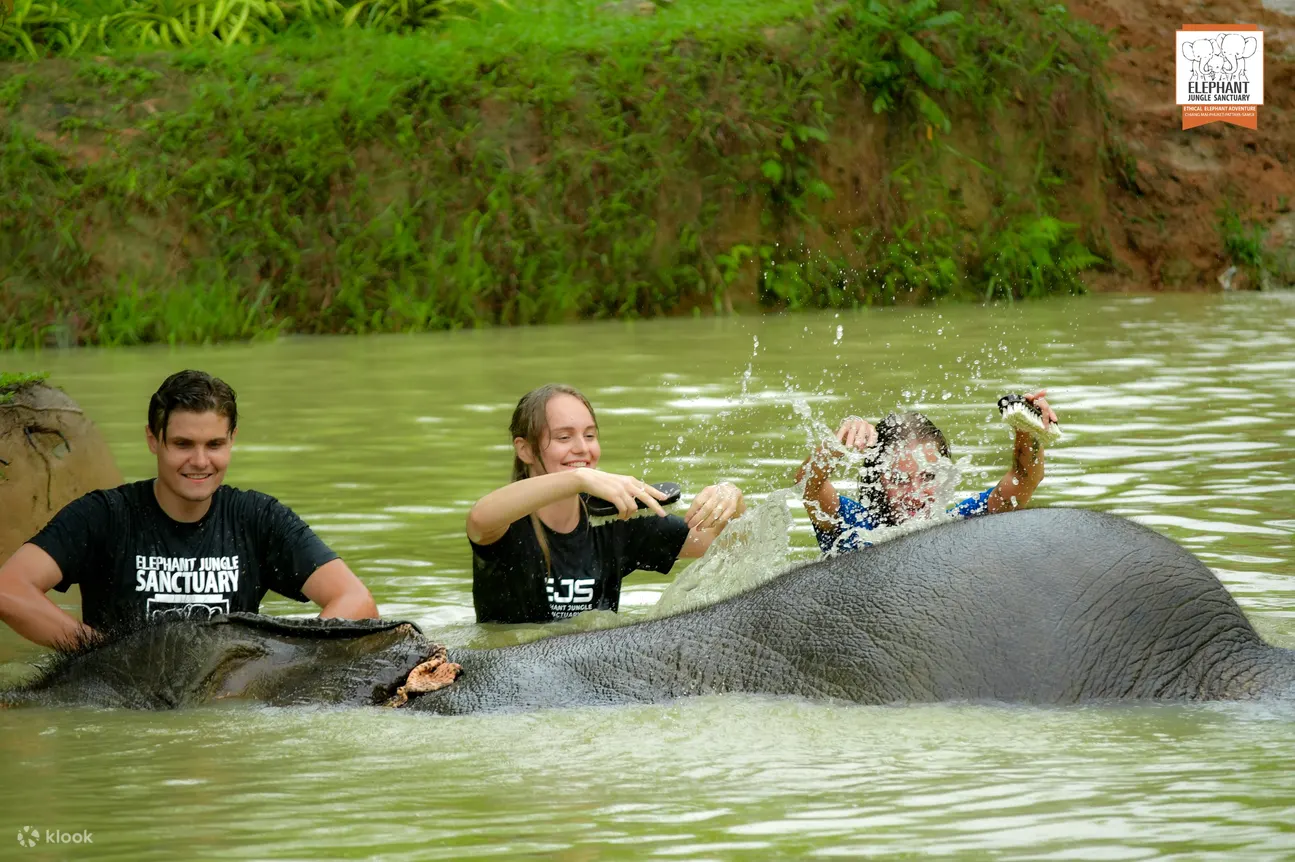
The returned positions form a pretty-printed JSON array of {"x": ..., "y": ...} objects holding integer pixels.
[{"x": 587, "y": 160}]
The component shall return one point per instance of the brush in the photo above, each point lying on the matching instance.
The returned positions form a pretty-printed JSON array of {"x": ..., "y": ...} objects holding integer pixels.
[
  {"x": 1024, "y": 416},
  {"x": 604, "y": 512}
]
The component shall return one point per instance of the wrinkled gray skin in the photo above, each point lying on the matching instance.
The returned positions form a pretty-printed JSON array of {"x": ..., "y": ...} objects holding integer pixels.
[
  {"x": 1045, "y": 606},
  {"x": 277, "y": 661}
]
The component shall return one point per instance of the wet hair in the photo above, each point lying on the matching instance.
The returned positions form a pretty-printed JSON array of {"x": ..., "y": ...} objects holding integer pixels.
[
  {"x": 531, "y": 422},
  {"x": 894, "y": 432},
  {"x": 194, "y": 392}
]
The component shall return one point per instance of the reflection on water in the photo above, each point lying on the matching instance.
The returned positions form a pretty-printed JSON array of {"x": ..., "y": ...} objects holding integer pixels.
[{"x": 1178, "y": 413}]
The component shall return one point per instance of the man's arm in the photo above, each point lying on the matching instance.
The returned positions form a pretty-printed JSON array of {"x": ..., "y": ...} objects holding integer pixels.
[
  {"x": 821, "y": 500},
  {"x": 339, "y": 593},
  {"x": 1017, "y": 485},
  {"x": 1016, "y": 488},
  {"x": 24, "y": 580}
]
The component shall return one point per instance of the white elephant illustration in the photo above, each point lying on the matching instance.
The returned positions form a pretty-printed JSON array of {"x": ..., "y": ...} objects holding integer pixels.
[
  {"x": 1201, "y": 52},
  {"x": 1229, "y": 59}
]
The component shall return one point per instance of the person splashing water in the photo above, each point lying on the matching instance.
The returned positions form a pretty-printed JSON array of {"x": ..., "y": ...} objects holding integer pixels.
[{"x": 908, "y": 479}]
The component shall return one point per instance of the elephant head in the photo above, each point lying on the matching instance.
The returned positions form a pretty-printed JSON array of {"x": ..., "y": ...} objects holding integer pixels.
[
  {"x": 1233, "y": 48},
  {"x": 1199, "y": 51}
]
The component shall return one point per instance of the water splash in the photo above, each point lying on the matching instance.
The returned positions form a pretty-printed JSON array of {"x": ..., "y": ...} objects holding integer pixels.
[{"x": 753, "y": 549}]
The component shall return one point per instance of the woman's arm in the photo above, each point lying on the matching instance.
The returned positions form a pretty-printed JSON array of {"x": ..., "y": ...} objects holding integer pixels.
[
  {"x": 488, "y": 520},
  {"x": 708, "y": 515}
]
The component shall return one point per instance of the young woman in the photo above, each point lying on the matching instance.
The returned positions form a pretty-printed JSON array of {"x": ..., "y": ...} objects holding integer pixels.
[
  {"x": 900, "y": 476},
  {"x": 534, "y": 555}
]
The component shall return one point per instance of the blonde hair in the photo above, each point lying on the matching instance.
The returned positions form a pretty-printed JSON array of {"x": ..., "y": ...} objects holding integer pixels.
[{"x": 530, "y": 422}]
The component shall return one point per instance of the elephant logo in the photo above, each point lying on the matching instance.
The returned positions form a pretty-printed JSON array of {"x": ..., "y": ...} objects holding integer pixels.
[
  {"x": 1200, "y": 52},
  {"x": 29, "y": 836},
  {"x": 1222, "y": 58},
  {"x": 1231, "y": 53},
  {"x": 1220, "y": 74}
]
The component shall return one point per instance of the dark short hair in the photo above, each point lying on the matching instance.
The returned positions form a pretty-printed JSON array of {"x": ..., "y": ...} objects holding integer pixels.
[{"x": 192, "y": 391}]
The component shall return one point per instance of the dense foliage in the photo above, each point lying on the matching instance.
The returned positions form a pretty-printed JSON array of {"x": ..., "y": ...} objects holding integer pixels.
[{"x": 551, "y": 161}]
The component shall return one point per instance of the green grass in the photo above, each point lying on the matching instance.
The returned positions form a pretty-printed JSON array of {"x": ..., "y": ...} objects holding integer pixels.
[
  {"x": 557, "y": 161},
  {"x": 11, "y": 382}
]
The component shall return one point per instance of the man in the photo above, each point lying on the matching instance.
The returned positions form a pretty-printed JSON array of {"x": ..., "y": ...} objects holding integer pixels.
[
  {"x": 902, "y": 476},
  {"x": 179, "y": 545}
]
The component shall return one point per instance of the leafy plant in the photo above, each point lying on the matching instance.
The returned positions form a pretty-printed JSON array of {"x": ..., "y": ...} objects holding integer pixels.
[
  {"x": 892, "y": 56},
  {"x": 1033, "y": 256}
]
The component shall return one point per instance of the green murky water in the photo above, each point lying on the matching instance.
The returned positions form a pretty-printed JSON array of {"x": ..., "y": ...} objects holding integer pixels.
[{"x": 1180, "y": 413}]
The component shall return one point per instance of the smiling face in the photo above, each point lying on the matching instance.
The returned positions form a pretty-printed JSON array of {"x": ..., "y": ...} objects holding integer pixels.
[
  {"x": 192, "y": 457},
  {"x": 569, "y": 440},
  {"x": 910, "y": 478}
]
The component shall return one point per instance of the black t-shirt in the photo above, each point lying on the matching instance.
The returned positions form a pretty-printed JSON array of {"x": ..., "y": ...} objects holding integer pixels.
[
  {"x": 510, "y": 583},
  {"x": 136, "y": 564}
]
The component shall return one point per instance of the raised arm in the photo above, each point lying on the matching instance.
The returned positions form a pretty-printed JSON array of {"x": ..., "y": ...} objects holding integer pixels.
[
  {"x": 24, "y": 580},
  {"x": 821, "y": 499},
  {"x": 1017, "y": 486}
]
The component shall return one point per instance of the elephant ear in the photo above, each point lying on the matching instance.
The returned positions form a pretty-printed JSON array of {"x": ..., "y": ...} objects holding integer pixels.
[
  {"x": 1188, "y": 51},
  {"x": 1252, "y": 45}
]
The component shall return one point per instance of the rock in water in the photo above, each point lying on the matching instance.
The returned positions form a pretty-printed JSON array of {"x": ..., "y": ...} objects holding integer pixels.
[{"x": 50, "y": 454}]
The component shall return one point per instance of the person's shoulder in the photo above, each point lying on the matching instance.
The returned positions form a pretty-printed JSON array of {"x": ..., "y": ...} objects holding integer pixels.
[
  {"x": 127, "y": 494},
  {"x": 248, "y": 501},
  {"x": 850, "y": 508},
  {"x": 976, "y": 504}
]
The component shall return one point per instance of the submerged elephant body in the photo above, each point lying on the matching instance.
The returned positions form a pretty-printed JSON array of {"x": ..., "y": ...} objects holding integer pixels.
[
  {"x": 277, "y": 661},
  {"x": 964, "y": 611},
  {"x": 1048, "y": 606}
]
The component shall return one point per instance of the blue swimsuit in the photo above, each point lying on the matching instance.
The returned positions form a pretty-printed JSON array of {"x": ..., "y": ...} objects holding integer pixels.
[{"x": 853, "y": 518}]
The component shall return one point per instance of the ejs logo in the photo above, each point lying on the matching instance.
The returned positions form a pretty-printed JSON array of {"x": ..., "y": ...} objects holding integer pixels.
[
  {"x": 1220, "y": 74},
  {"x": 566, "y": 591}
]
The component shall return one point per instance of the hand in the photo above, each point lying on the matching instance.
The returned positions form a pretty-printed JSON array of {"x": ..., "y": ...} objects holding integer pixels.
[
  {"x": 623, "y": 492},
  {"x": 856, "y": 433},
  {"x": 714, "y": 507},
  {"x": 1039, "y": 400}
]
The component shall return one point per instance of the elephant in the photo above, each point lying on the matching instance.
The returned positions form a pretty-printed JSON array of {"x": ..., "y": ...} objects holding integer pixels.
[
  {"x": 1229, "y": 60},
  {"x": 1038, "y": 606},
  {"x": 271, "y": 660},
  {"x": 1200, "y": 52},
  {"x": 50, "y": 454}
]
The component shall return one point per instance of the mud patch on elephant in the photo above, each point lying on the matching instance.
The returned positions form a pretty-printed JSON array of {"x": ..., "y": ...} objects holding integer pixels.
[{"x": 432, "y": 675}]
